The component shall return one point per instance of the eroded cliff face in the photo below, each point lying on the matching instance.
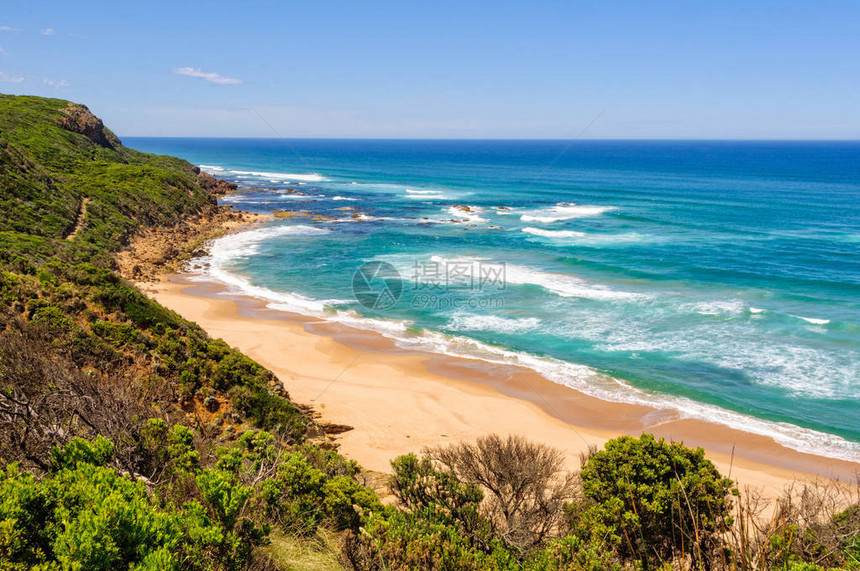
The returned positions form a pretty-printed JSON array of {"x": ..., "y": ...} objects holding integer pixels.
[
  {"x": 214, "y": 185},
  {"x": 78, "y": 118}
]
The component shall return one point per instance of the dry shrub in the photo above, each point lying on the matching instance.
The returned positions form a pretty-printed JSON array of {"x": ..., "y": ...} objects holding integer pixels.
[
  {"x": 46, "y": 400},
  {"x": 813, "y": 522},
  {"x": 525, "y": 484}
]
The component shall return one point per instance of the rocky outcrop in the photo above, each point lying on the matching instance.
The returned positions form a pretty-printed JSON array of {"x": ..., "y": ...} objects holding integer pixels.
[
  {"x": 214, "y": 185},
  {"x": 78, "y": 118},
  {"x": 154, "y": 252}
]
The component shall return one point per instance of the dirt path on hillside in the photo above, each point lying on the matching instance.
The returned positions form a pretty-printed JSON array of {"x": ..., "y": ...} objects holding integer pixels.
[{"x": 80, "y": 221}]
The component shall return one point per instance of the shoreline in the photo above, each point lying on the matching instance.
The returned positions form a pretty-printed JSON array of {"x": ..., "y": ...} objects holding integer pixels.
[{"x": 400, "y": 400}]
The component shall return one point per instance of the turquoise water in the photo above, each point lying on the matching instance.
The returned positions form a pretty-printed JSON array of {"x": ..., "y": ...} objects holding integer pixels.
[{"x": 718, "y": 279}]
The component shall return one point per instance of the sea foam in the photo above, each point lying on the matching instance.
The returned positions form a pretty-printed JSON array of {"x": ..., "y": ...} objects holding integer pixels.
[
  {"x": 270, "y": 176},
  {"x": 560, "y": 284},
  {"x": 467, "y": 322},
  {"x": 315, "y": 177},
  {"x": 426, "y": 195},
  {"x": 564, "y": 211},
  {"x": 225, "y": 251},
  {"x": 813, "y": 320},
  {"x": 554, "y": 233},
  {"x": 721, "y": 307},
  {"x": 470, "y": 214},
  {"x": 565, "y": 285}
]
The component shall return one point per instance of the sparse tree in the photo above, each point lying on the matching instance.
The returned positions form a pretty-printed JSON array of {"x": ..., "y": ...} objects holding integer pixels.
[
  {"x": 46, "y": 400},
  {"x": 525, "y": 484}
]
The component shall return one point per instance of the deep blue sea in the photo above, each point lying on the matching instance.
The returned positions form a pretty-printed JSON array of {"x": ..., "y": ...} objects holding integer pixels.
[{"x": 717, "y": 279}]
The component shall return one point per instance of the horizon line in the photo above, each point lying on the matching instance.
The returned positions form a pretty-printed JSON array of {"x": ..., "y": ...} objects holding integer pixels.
[{"x": 560, "y": 139}]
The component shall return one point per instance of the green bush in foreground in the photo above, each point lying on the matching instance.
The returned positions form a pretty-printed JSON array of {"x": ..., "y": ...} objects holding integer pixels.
[
  {"x": 85, "y": 514},
  {"x": 653, "y": 500}
]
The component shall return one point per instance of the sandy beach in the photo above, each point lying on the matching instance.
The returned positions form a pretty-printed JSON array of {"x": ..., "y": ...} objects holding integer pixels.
[{"x": 399, "y": 401}]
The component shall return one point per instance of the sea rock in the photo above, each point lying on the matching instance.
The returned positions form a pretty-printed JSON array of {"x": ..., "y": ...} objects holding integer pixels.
[
  {"x": 215, "y": 185},
  {"x": 292, "y": 214}
]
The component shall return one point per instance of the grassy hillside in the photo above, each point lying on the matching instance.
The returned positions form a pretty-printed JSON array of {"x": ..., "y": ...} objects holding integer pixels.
[
  {"x": 54, "y": 154},
  {"x": 131, "y": 440},
  {"x": 72, "y": 196}
]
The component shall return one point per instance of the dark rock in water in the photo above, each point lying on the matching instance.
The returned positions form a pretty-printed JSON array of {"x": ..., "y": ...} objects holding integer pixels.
[
  {"x": 79, "y": 119},
  {"x": 215, "y": 185}
]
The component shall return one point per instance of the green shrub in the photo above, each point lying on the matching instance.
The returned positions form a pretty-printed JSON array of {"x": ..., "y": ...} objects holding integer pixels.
[
  {"x": 25, "y": 511},
  {"x": 221, "y": 491},
  {"x": 86, "y": 515},
  {"x": 52, "y": 317},
  {"x": 573, "y": 554},
  {"x": 142, "y": 311},
  {"x": 301, "y": 497},
  {"x": 46, "y": 278},
  {"x": 294, "y": 497},
  {"x": 97, "y": 452},
  {"x": 653, "y": 499},
  {"x": 268, "y": 411},
  {"x": 237, "y": 369},
  {"x": 409, "y": 540},
  {"x": 83, "y": 517},
  {"x": 117, "y": 334},
  {"x": 846, "y": 525},
  {"x": 169, "y": 451},
  {"x": 328, "y": 461},
  {"x": 420, "y": 486}
]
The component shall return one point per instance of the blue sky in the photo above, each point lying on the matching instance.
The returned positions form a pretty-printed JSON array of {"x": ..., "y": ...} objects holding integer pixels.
[{"x": 729, "y": 69}]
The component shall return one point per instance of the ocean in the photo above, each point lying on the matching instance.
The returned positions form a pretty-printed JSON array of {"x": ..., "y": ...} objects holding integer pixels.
[{"x": 719, "y": 279}]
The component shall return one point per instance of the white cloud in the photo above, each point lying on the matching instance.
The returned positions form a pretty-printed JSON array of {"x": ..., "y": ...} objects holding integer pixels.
[
  {"x": 6, "y": 78},
  {"x": 48, "y": 32},
  {"x": 207, "y": 75},
  {"x": 54, "y": 83},
  {"x": 3, "y": 52},
  {"x": 9, "y": 29}
]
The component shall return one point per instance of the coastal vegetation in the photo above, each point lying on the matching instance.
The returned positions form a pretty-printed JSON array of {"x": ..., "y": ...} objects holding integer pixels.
[{"x": 129, "y": 439}]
